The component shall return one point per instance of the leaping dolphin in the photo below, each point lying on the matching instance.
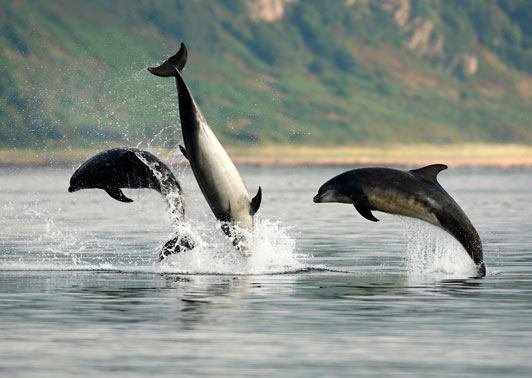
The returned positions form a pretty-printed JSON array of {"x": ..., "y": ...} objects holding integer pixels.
[
  {"x": 132, "y": 168},
  {"x": 217, "y": 176},
  {"x": 414, "y": 193}
]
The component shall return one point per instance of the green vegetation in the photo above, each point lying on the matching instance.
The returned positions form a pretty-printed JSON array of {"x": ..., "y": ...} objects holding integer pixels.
[{"x": 74, "y": 73}]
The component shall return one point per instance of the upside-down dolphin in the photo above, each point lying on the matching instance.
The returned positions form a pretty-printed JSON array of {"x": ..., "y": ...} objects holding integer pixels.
[
  {"x": 414, "y": 193},
  {"x": 217, "y": 176},
  {"x": 132, "y": 168}
]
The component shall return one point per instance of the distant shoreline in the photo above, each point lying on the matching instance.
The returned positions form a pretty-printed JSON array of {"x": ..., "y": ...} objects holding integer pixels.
[{"x": 454, "y": 155}]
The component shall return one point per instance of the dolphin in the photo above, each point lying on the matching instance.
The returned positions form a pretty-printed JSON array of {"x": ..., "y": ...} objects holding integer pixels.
[
  {"x": 415, "y": 193},
  {"x": 128, "y": 167},
  {"x": 215, "y": 172}
]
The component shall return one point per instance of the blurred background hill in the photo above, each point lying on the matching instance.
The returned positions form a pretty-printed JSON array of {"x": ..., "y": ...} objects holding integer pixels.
[{"x": 267, "y": 71}]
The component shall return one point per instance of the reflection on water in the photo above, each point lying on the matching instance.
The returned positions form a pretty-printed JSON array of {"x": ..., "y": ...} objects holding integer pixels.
[{"x": 327, "y": 293}]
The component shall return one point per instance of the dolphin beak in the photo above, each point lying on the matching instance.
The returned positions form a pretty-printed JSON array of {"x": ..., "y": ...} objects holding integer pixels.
[
  {"x": 317, "y": 198},
  {"x": 71, "y": 189}
]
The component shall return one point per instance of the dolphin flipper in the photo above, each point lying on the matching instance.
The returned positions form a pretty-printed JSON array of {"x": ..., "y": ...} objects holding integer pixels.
[
  {"x": 118, "y": 195},
  {"x": 172, "y": 64},
  {"x": 183, "y": 151},
  {"x": 255, "y": 202},
  {"x": 361, "y": 203}
]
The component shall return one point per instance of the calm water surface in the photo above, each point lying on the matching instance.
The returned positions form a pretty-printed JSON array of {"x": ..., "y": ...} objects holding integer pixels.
[{"x": 326, "y": 292}]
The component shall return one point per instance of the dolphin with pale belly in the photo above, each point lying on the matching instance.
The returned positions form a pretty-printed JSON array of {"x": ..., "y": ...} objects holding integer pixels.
[
  {"x": 415, "y": 193},
  {"x": 215, "y": 172}
]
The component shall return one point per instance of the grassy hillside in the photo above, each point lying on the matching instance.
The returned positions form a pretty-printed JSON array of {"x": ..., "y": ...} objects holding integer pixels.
[{"x": 302, "y": 72}]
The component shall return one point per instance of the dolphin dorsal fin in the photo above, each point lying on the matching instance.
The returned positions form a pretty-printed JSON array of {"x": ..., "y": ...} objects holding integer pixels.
[
  {"x": 118, "y": 195},
  {"x": 255, "y": 202},
  {"x": 430, "y": 172}
]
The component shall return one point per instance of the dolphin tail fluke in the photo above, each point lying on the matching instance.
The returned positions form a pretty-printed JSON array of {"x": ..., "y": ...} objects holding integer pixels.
[{"x": 172, "y": 64}]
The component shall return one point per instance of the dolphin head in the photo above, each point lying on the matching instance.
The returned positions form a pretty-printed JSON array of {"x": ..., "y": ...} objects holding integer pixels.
[
  {"x": 85, "y": 177},
  {"x": 107, "y": 169},
  {"x": 75, "y": 184},
  {"x": 326, "y": 193},
  {"x": 336, "y": 189}
]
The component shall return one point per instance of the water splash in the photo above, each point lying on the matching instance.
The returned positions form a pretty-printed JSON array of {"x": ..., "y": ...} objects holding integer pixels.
[
  {"x": 432, "y": 251},
  {"x": 272, "y": 251},
  {"x": 169, "y": 188},
  {"x": 55, "y": 243}
]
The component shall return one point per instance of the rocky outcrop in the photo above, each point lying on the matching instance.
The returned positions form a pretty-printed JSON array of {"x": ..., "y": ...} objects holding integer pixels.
[
  {"x": 418, "y": 31},
  {"x": 470, "y": 64},
  {"x": 420, "y": 34},
  {"x": 422, "y": 37},
  {"x": 400, "y": 10},
  {"x": 464, "y": 65},
  {"x": 268, "y": 10}
]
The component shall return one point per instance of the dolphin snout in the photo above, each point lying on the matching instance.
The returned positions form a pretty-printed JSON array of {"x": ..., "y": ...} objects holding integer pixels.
[
  {"x": 317, "y": 198},
  {"x": 71, "y": 189}
]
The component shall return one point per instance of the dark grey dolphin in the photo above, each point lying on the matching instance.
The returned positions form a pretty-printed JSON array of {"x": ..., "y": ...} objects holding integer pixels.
[
  {"x": 217, "y": 176},
  {"x": 128, "y": 167},
  {"x": 414, "y": 193}
]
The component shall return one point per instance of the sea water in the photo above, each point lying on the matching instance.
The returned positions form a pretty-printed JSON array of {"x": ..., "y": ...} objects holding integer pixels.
[{"x": 324, "y": 293}]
